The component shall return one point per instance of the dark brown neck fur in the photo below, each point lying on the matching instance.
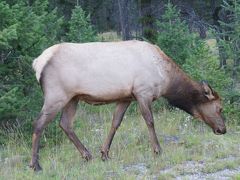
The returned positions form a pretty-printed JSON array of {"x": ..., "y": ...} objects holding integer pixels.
[{"x": 183, "y": 92}]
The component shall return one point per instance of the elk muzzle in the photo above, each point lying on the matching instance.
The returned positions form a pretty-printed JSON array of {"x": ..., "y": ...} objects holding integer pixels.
[{"x": 220, "y": 130}]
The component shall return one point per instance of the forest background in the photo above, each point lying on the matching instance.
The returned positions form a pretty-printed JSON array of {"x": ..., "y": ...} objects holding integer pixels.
[{"x": 203, "y": 37}]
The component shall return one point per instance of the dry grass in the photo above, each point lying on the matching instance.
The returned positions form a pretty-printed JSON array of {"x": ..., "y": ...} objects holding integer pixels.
[{"x": 109, "y": 36}]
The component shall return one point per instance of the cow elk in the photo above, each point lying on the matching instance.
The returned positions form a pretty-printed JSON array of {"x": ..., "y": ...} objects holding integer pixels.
[{"x": 120, "y": 72}]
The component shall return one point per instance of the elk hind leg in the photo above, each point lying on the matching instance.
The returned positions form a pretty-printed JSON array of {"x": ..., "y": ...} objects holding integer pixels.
[
  {"x": 46, "y": 116},
  {"x": 66, "y": 124}
]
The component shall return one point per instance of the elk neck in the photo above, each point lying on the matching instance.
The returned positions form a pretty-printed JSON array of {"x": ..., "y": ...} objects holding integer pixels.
[{"x": 182, "y": 91}]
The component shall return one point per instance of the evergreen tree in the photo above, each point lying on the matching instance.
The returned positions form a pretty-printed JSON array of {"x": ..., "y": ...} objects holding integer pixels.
[
  {"x": 173, "y": 36},
  {"x": 80, "y": 28},
  {"x": 24, "y": 32},
  {"x": 230, "y": 43},
  {"x": 188, "y": 50},
  {"x": 230, "y": 30}
]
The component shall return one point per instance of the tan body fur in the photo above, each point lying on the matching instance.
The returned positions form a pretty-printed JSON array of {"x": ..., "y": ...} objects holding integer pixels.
[{"x": 102, "y": 72}]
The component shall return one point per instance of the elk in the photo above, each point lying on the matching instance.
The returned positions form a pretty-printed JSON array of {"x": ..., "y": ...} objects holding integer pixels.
[{"x": 120, "y": 72}]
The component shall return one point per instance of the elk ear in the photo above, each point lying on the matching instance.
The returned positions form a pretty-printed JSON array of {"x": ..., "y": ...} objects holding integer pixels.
[{"x": 207, "y": 91}]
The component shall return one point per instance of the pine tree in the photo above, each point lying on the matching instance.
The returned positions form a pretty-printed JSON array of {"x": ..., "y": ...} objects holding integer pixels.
[
  {"x": 231, "y": 32},
  {"x": 230, "y": 43},
  {"x": 80, "y": 28},
  {"x": 173, "y": 36},
  {"x": 24, "y": 32}
]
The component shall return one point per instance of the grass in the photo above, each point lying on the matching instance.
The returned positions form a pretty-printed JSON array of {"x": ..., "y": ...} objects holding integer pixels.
[
  {"x": 109, "y": 36},
  {"x": 187, "y": 146},
  {"x": 237, "y": 177}
]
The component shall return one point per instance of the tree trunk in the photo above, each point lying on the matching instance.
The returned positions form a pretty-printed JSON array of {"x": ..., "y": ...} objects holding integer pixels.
[
  {"x": 123, "y": 17},
  {"x": 222, "y": 54},
  {"x": 213, "y": 5}
]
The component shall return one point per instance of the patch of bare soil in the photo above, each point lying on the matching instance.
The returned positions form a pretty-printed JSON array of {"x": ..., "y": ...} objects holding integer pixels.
[{"x": 193, "y": 170}]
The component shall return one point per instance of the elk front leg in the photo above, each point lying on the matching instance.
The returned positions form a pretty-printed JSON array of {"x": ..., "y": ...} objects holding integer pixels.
[
  {"x": 145, "y": 108},
  {"x": 117, "y": 119}
]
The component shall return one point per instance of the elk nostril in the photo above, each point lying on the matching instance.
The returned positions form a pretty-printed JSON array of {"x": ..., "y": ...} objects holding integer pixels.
[{"x": 221, "y": 131}]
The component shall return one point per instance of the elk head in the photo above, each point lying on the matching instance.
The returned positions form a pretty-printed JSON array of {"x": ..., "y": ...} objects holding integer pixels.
[{"x": 209, "y": 109}]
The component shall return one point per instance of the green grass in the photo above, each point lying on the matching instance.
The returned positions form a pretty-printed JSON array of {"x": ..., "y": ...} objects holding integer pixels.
[
  {"x": 183, "y": 140},
  {"x": 237, "y": 177},
  {"x": 109, "y": 36}
]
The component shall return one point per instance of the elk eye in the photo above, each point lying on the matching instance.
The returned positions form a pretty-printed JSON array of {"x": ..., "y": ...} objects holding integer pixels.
[{"x": 206, "y": 93}]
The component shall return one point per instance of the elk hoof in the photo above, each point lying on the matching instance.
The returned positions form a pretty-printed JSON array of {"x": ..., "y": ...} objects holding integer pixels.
[
  {"x": 157, "y": 151},
  {"x": 105, "y": 156},
  {"x": 35, "y": 166},
  {"x": 87, "y": 156}
]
